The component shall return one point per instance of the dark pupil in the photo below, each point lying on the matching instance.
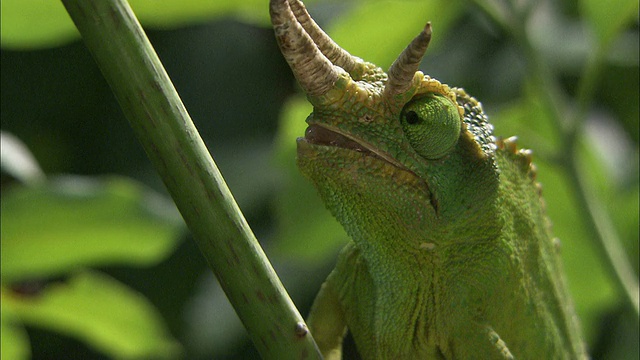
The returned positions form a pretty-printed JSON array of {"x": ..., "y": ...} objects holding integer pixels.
[{"x": 412, "y": 118}]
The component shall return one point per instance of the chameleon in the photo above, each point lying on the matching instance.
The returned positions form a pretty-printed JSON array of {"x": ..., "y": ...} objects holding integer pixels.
[{"x": 451, "y": 254}]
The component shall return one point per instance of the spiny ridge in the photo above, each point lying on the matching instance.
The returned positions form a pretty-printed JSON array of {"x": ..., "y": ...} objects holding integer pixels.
[{"x": 524, "y": 156}]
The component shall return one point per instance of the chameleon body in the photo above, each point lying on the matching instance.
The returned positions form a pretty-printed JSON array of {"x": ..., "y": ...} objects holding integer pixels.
[{"x": 451, "y": 255}]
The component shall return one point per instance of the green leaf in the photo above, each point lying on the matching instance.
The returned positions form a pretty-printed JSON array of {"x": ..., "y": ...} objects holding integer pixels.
[
  {"x": 35, "y": 24},
  {"x": 31, "y": 24},
  {"x": 365, "y": 30},
  {"x": 306, "y": 229},
  {"x": 529, "y": 120},
  {"x": 14, "y": 340},
  {"x": 179, "y": 13},
  {"x": 609, "y": 18},
  {"x": 591, "y": 294},
  {"x": 77, "y": 221},
  {"x": 102, "y": 312}
]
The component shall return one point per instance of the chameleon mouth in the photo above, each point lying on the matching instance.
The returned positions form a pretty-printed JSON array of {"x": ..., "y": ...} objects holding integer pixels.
[{"x": 321, "y": 135}]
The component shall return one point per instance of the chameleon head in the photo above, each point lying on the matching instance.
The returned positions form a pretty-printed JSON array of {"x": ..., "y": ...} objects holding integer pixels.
[{"x": 391, "y": 140}]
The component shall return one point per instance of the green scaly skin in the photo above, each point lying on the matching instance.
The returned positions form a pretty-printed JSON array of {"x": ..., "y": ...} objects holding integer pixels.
[{"x": 451, "y": 256}]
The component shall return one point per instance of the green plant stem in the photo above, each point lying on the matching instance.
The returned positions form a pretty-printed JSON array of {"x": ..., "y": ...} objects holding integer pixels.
[
  {"x": 569, "y": 124},
  {"x": 596, "y": 218},
  {"x": 162, "y": 125},
  {"x": 599, "y": 221}
]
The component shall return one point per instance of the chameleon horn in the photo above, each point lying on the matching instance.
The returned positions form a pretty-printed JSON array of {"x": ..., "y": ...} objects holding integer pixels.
[
  {"x": 337, "y": 55},
  {"x": 314, "y": 71},
  {"x": 404, "y": 68}
]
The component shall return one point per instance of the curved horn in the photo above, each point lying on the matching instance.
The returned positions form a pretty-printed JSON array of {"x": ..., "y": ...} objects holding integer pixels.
[
  {"x": 314, "y": 71},
  {"x": 404, "y": 68},
  {"x": 337, "y": 55}
]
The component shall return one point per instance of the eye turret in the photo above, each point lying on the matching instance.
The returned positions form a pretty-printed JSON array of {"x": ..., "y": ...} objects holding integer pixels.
[{"x": 431, "y": 123}]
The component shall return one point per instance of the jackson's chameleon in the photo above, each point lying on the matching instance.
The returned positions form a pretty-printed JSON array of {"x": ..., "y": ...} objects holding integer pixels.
[{"x": 451, "y": 256}]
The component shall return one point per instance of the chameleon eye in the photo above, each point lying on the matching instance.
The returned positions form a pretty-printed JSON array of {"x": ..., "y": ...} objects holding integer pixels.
[{"x": 431, "y": 123}]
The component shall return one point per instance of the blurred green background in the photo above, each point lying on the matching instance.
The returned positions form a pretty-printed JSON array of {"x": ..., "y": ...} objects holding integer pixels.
[{"x": 96, "y": 262}]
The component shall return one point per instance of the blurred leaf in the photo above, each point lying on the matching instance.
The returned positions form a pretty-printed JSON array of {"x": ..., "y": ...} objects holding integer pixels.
[
  {"x": 35, "y": 23},
  {"x": 17, "y": 160},
  {"x": 608, "y": 18},
  {"x": 528, "y": 119},
  {"x": 292, "y": 126},
  {"x": 100, "y": 311},
  {"x": 610, "y": 165},
  {"x": 624, "y": 211},
  {"x": 365, "y": 30},
  {"x": 591, "y": 294},
  {"x": 176, "y": 13},
  {"x": 14, "y": 340},
  {"x": 306, "y": 229},
  {"x": 77, "y": 221},
  {"x": 30, "y": 24}
]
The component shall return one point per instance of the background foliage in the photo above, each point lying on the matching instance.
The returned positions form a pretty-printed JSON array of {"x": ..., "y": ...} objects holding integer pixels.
[{"x": 224, "y": 62}]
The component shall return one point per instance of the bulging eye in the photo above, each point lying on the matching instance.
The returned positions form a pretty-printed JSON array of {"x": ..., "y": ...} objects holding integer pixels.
[{"x": 431, "y": 123}]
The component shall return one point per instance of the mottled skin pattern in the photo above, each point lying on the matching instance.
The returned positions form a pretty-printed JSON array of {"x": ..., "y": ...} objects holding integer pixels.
[{"x": 451, "y": 256}]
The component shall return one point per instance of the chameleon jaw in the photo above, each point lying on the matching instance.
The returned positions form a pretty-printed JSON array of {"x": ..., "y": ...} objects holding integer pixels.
[
  {"x": 319, "y": 134},
  {"x": 322, "y": 143}
]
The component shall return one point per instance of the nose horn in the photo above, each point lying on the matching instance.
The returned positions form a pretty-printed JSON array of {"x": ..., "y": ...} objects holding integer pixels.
[
  {"x": 336, "y": 55},
  {"x": 313, "y": 70}
]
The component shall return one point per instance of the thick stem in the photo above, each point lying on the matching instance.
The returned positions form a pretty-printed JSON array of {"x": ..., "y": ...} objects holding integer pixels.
[{"x": 162, "y": 125}]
